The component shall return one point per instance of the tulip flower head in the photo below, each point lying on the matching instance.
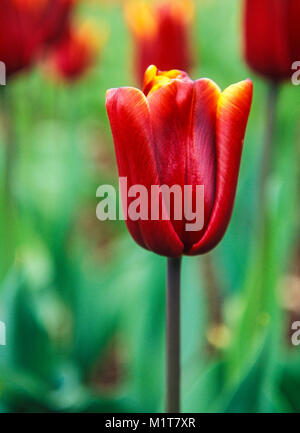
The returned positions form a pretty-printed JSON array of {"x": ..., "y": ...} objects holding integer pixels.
[
  {"x": 161, "y": 33},
  {"x": 26, "y": 26},
  {"x": 179, "y": 132},
  {"x": 272, "y": 37},
  {"x": 76, "y": 52}
]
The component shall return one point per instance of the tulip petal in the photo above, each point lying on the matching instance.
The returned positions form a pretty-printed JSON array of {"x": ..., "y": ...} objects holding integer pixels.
[
  {"x": 129, "y": 116},
  {"x": 267, "y": 37},
  {"x": 183, "y": 116},
  {"x": 27, "y": 26},
  {"x": 201, "y": 161},
  {"x": 294, "y": 30},
  {"x": 233, "y": 111}
]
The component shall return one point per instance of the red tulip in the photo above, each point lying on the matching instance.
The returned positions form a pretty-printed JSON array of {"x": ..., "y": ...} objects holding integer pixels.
[
  {"x": 26, "y": 26},
  {"x": 76, "y": 52},
  {"x": 55, "y": 20},
  {"x": 161, "y": 34},
  {"x": 272, "y": 36},
  {"x": 180, "y": 132}
]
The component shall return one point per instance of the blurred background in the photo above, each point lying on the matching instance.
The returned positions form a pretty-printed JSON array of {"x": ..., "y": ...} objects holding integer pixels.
[{"x": 83, "y": 305}]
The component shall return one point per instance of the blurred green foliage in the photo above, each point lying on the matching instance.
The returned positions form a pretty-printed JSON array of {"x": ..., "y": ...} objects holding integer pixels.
[{"x": 84, "y": 306}]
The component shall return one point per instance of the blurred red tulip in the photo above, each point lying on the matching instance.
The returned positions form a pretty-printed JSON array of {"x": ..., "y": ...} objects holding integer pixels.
[
  {"x": 55, "y": 20},
  {"x": 180, "y": 132},
  {"x": 272, "y": 36},
  {"x": 76, "y": 52},
  {"x": 26, "y": 26},
  {"x": 161, "y": 33}
]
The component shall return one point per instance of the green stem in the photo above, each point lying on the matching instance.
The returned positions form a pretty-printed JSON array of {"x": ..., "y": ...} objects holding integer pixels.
[
  {"x": 7, "y": 206},
  {"x": 9, "y": 142},
  {"x": 213, "y": 296},
  {"x": 173, "y": 336},
  {"x": 268, "y": 148}
]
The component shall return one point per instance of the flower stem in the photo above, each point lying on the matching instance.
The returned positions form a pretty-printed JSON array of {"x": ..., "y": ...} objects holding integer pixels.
[
  {"x": 266, "y": 165},
  {"x": 173, "y": 336},
  {"x": 6, "y": 197},
  {"x": 213, "y": 296},
  {"x": 9, "y": 142}
]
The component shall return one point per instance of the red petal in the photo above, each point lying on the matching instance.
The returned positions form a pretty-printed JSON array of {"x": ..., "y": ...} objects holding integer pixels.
[
  {"x": 202, "y": 164},
  {"x": 173, "y": 50},
  {"x": 233, "y": 111},
  {"x": 267, "y": 37},
  {"x": 183, "y": 116},
  {"x": 294, "y": 29},
  {"x": 129, "y": 116}
]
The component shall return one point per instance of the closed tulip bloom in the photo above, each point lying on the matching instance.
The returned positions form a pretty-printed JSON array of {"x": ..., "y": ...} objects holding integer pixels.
[
  {"x": 180, "y": 132},
  {"x": 272, "y": 36},
  {"x": 161, "y": 33},
  {"x": 55, "y": 20},
  {"x": 76, "y": 52},
  {"x": 26, "y": 26}
]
